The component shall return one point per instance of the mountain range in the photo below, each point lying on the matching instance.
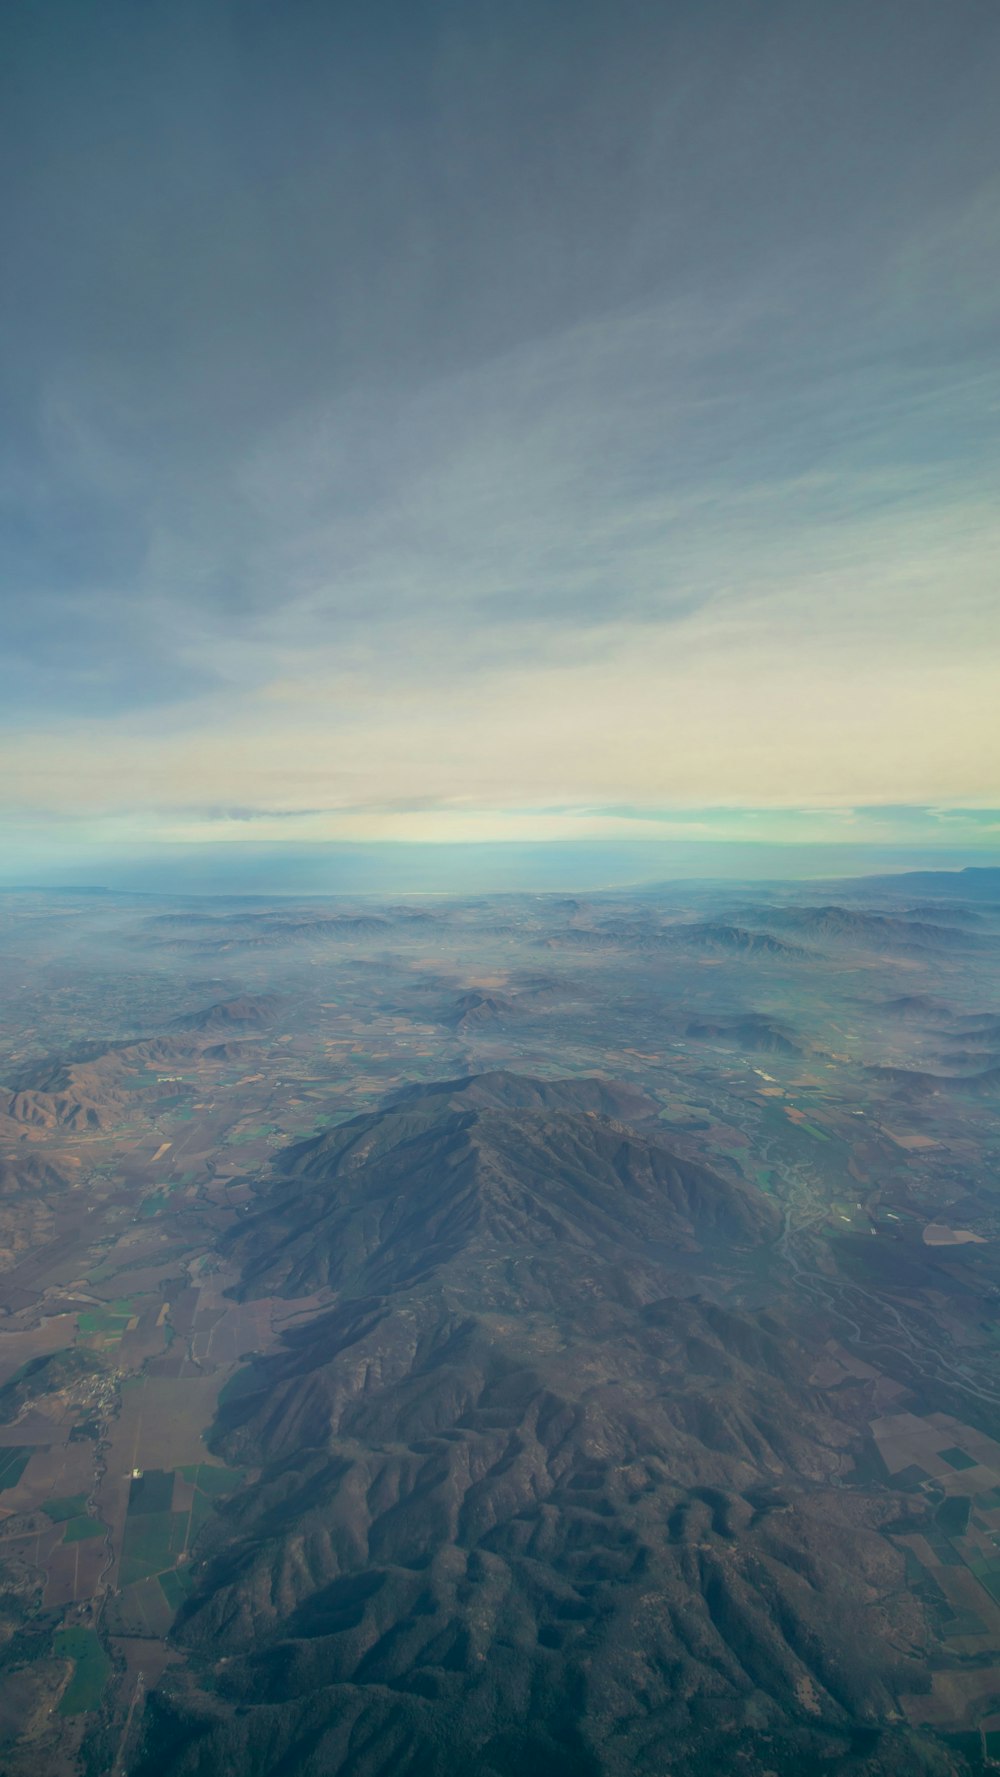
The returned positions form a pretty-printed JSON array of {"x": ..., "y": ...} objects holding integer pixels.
[{"x": 546, "y": 1486}]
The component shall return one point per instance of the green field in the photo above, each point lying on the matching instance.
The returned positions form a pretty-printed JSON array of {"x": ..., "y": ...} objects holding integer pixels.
[
  {"x": 155, "y": 1535},
  {"x": 259, "y": 1131},
  {"x": 952, "y": 1515},
  {"x": 151, "y": 1492},
  {"x": 111, "y": 1321},
  {"x": 143, "y": 1609},
  {"x": 156, "y": 1201},
  {"x": 61, "y": 1509},
  {"x": 13, "y": 1463},
  {"x": 957, "y": 1458},
  {"x": 212, "y": 1479},
  {"x": 91, "y": 1668},
  {"x": 80, "y": 1529},
  {"x": 153, "y": 1541},
  {"x": 175, "y": 1587}
]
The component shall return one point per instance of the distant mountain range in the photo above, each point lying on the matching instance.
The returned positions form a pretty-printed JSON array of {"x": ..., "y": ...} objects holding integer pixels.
[
  {"x": 977, "y": 882},
  {"x": 876, "y": 931}
]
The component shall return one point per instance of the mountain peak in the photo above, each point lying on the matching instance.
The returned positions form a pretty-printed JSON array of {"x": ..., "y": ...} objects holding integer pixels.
[{"x": 497, "y": 1162}]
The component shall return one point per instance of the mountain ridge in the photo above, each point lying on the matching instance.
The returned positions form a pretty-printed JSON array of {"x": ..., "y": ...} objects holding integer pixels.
[{"x": 531, "y": 1440}]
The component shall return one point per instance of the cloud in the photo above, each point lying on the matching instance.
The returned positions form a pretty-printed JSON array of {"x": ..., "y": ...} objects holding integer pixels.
[{"x": 467, "y": 434}]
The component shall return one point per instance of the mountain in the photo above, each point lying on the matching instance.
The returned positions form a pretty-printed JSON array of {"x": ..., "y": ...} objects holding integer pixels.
[
  {"x": 234, "y": 1049},
  {"x": 984, "y": 1026},
  {"x": 682, "y": 935},
  {"x": 985, "y": 1060},
  {"x": 90, "y": 1091},
  {"x": 501, "y": 1089},
  {"x": 248, "y": 1011},
  {"x": 382, "y": 1200},
  {"x": 976, "y": 883},
  {"x": 35, "y": 1172},
  {"x": 320, "y": 925},
  {"x": 729, "y": 939},
  {"x": 939, "y": 912},
  {"x": 918, "y": 1005},
  {"x": 476, "y": 1011},
  {"x": 877, "y": 931},
  {"x": 744, "y": 1031},
  {"x": 539, "y": 1490},
  {"x": 94, "y": 1089},
  {"x": 271, "y": 930},
  {"x": 913, "y": 1083}
]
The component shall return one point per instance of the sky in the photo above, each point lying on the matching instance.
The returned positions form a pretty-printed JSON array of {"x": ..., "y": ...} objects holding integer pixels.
[{"x": 479, "y": 421}]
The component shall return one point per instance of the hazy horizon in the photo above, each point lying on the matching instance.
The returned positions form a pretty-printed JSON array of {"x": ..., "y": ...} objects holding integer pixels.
[{"x": 406, "y": 869}]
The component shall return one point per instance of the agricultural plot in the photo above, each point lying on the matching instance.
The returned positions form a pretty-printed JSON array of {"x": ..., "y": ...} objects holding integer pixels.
[
  {"x": 73, "y": 1570},
  {"x": 165, "y": 1513},
  {"x": 162, "y": 1421},
  {"x": 102, "y": 1328},
  {"x": 59, "y": 1510},
  {"x": 81, "y": 1529},
  {"x": 175, "y": 1586},
  {"x": 91, "y": 1669},
  {"x": 152, "y": 1491},
  {"x": 212, "y": 1479},
  {"x": 142, "y": 1609},
  {"x": 13, "y": 1463},
  {"x": 152, "y": 1542},
  {"x": 956, "y": 1456},
  {"x": 954, "y": 1564}
]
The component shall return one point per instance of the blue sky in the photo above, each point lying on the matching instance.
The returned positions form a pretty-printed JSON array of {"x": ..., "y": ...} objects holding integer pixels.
[{"x": 514, "y": 423}]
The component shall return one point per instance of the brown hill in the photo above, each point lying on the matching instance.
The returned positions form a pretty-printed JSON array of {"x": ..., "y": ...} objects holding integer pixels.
[{"x": 93, "y": 1090}]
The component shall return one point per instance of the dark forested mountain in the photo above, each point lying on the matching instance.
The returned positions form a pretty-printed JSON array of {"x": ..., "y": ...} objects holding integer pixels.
[
  {"x": 492, "y": 1167},
  {"x": 534, "y": 1494},
  {"x": 246, "y": 1012},
  {"x": 744, "y": 1031}
]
